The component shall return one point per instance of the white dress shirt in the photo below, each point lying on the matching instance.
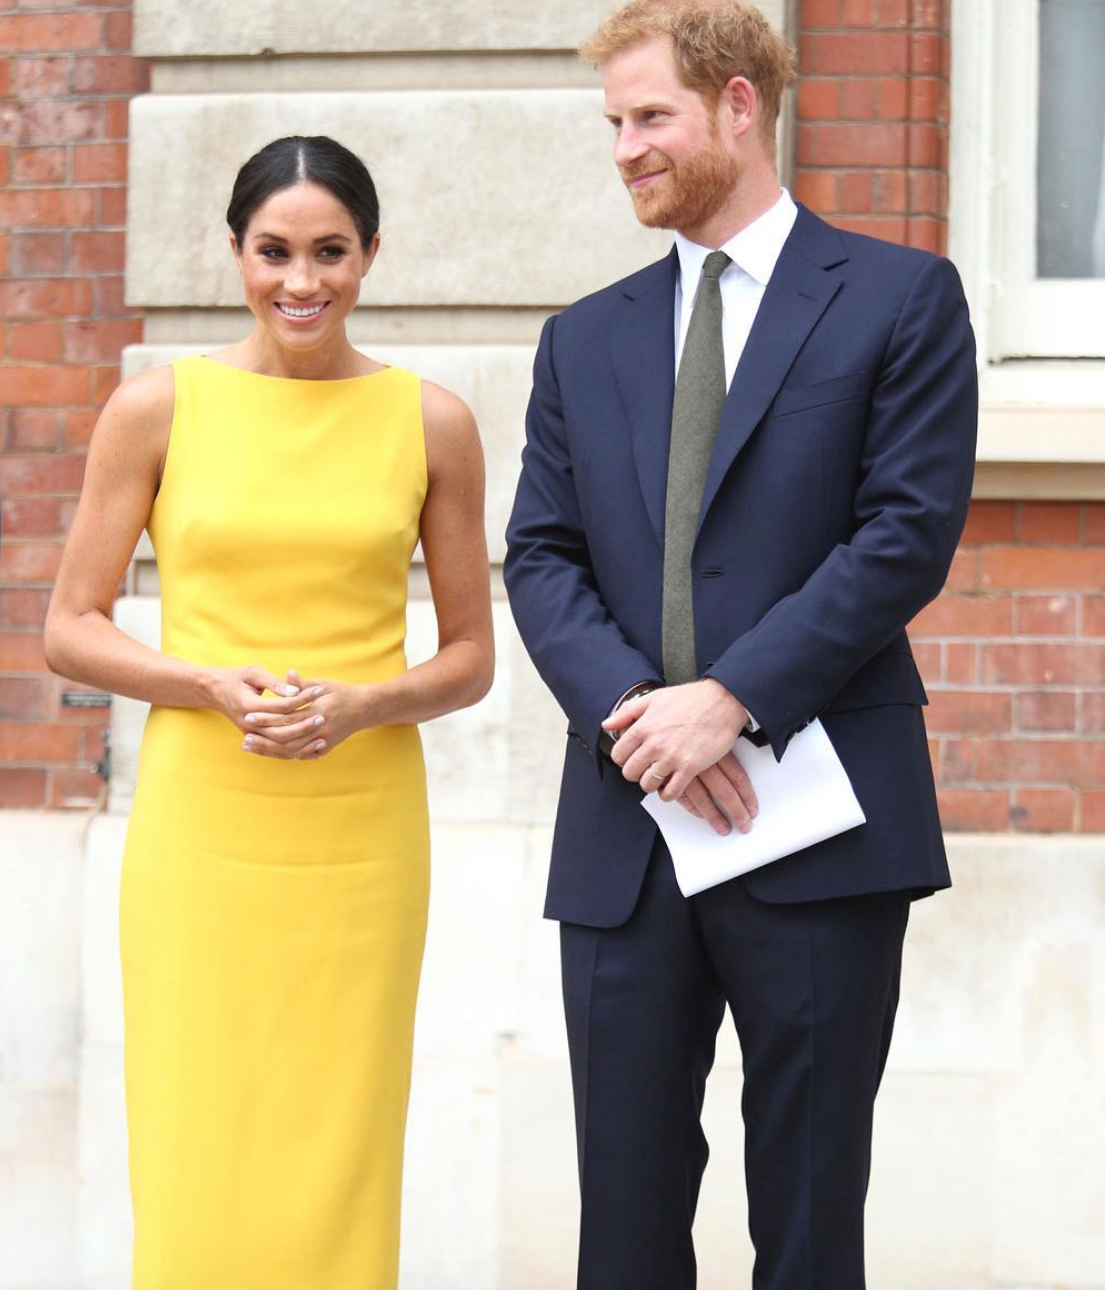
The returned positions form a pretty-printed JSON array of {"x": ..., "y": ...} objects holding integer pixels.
[{"x": 754, "y": 252}]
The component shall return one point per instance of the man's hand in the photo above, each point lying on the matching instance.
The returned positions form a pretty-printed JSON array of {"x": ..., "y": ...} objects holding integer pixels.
[
  {"x": 677, "y": 742},
  {"x": 723, "y": 796}
]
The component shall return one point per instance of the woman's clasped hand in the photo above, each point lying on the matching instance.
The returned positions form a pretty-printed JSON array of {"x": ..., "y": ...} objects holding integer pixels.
[{"x": 294, "y": 720}]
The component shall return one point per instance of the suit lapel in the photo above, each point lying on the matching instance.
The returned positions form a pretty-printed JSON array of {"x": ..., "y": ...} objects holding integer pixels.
[
  {"x": 643, "y": 350},
  {"x": 799, "y": 292}
]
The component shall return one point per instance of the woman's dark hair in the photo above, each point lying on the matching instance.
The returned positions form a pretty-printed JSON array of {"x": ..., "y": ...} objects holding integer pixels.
[{"x": 311, "y": 159}]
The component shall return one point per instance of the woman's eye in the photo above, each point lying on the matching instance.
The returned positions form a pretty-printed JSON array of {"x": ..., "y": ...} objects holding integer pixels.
[
  {"x": 272, "y": 252},
  {"x": 332, "y": 252}
]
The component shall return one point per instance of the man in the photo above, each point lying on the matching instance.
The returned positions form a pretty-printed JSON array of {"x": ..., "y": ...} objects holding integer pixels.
[{"x": 688, "y": 564}]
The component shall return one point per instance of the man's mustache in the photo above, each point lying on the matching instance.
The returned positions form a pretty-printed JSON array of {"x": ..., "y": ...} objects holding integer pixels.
[{"x": 645, "y": 166}]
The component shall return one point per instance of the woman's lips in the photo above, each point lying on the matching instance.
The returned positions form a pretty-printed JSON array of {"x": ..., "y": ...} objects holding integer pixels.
[{"x": 301, "y": 313}]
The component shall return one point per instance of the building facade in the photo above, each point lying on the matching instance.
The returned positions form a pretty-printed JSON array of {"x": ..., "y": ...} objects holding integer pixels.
[{"x": 972, "y": 127}]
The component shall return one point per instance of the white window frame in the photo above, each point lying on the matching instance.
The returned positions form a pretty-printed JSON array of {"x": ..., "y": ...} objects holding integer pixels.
[{"x": 992, "y": 216}]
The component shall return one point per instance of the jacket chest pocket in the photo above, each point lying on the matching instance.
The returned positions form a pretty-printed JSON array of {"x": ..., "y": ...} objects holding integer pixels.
[{"x": 792, "y": 399}]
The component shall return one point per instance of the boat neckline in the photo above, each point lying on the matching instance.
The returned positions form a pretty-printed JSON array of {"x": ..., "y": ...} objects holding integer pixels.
[{"x": 299, "y": 380}]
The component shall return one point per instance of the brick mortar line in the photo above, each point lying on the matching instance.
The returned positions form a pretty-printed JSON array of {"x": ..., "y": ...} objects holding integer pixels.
[
  {"x": 1031, "y": 736},
  {"x": 1033, "y": 591},
  {"x": 1063, "y": 735},
  {"x": 1079, "y": 689},
  {"x": 1009, "y": 638},
  {"x": 1004, "y": 786}
]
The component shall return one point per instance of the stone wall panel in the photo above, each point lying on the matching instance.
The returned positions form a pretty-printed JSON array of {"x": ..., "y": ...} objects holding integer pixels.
[
  {"x": 504, "y": 198},
  {"x": 347, "y": 27}
]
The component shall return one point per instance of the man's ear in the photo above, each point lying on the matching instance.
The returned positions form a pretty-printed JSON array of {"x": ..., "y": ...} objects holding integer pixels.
[{"x": 740, "y": 104}]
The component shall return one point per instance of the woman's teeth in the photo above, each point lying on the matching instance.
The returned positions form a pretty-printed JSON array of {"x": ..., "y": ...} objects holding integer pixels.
[{"x": 301, "y": 313}]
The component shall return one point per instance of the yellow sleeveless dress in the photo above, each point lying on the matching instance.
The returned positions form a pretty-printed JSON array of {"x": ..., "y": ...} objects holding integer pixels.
[{"x": 274, "y": 913}]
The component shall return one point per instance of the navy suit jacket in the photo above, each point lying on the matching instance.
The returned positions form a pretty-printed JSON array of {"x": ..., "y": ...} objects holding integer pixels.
[{"x": 835, "y": 497}]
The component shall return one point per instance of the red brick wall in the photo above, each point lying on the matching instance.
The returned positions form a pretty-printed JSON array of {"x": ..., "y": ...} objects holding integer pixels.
[
  {"x": 66, "y": 75},
  {"x": 873, "y": 106},
  {"x": 1013, "y": 654}
]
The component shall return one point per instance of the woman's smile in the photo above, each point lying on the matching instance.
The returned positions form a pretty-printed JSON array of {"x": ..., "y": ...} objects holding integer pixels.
[{"x": 301, "y": 313}]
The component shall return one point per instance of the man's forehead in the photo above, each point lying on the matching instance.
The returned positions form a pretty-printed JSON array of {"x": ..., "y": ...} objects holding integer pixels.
[
  {"x": 649, "y": 52},
  {"x": 644, "y": 72}
]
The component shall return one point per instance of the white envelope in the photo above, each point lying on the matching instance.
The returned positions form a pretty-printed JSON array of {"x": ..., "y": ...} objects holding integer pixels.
[{"x": 805, "y": 798}]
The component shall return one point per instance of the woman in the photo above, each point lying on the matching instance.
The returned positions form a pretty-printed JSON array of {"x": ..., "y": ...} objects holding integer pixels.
[{"x": 275, "y": 878}]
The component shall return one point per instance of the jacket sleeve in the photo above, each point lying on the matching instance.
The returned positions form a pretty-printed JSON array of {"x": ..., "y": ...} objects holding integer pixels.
[
  {"x": 910, "y": 507},
  {"x": 575, "y": 644}
]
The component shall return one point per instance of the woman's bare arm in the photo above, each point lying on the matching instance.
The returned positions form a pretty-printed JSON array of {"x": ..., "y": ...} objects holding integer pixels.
[{"x": 122, "y": 476}]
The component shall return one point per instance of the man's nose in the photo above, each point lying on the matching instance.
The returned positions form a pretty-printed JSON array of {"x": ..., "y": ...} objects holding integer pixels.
[{"x": 629, "y": 146}]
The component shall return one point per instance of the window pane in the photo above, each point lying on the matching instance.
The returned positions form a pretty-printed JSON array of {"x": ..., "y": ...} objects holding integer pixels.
[{"x": 1071, "y": 160}]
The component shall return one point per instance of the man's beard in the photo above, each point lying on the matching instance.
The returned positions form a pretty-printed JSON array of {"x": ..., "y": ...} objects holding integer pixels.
[{"x": 689, "y": 193}]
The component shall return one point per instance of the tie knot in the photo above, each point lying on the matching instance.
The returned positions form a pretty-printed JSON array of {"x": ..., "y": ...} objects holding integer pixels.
[{"x": 716, "y": 264}]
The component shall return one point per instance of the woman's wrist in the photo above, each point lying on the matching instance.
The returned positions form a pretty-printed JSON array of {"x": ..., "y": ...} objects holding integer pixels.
[
  {"x": 203, "y": 684},
  {"x": 367, "y": 706}
]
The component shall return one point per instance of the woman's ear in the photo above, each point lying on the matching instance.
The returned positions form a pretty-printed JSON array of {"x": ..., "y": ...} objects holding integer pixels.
[{"x": 370, "y": 253}]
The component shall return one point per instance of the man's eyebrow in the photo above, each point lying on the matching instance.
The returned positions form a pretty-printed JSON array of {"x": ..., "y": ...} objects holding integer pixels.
[{"x": 657, "y": 105}]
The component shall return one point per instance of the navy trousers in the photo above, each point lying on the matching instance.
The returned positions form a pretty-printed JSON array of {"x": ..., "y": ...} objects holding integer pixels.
[{"x": 813, "y": 989}]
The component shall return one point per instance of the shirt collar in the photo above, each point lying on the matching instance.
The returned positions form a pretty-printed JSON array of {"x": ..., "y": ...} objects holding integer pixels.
[{"x": 755, "y": 249}]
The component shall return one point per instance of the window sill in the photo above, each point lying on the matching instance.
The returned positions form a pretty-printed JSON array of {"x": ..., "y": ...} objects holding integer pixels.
[{"x": 1042, "y": 431}]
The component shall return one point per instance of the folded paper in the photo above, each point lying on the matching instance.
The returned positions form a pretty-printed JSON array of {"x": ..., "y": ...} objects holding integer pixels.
[{"x": 803, "y": 799}]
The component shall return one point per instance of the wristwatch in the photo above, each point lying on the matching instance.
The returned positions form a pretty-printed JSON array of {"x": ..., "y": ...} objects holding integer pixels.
[{"x": 608, "y": 738}]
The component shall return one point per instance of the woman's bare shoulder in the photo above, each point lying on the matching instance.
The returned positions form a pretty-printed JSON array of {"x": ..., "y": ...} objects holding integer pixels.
[
  {"x": 136, "y": 421},
  {"x": 446, "y": 416},
  {"x": 145, "y": 398}
]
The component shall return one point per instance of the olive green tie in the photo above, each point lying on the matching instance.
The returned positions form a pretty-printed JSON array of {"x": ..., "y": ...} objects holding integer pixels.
[{"x": 695, "y": 414}]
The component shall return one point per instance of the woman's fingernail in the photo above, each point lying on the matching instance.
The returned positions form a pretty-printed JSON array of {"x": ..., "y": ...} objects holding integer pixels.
[
  {"x": 251, "y": 716},
  {"x": 288, "y": 691},
  {"x": 319, "y": 720},
  {"x": 320, "y": 745}
]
